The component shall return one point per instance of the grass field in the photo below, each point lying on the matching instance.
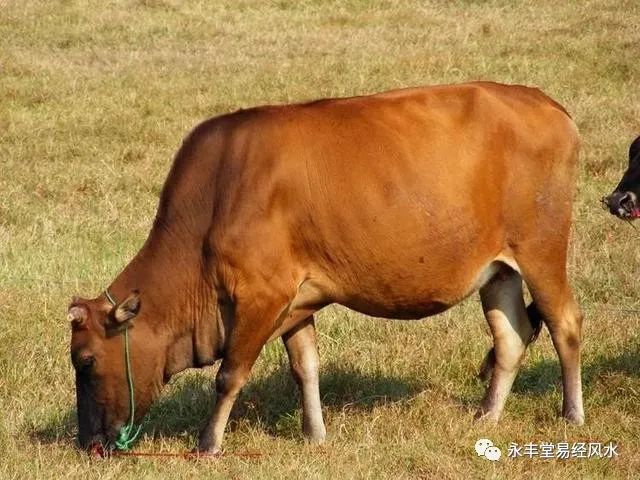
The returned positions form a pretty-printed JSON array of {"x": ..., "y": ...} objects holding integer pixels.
[{"x": 95, "y": 98}]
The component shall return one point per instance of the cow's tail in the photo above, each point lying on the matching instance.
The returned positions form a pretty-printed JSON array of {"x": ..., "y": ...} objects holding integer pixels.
[{"x": 535, "y": 318}]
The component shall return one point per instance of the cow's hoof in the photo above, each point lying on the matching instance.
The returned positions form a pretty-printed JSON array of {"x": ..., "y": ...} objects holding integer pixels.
[
  {"x": 486, "y": 416},
  {"x": 314, "y": 440},
  {"x": 315, "y": 437},
  {"x": 207, "y": 452},
  {"x": 574, "y": 417}
]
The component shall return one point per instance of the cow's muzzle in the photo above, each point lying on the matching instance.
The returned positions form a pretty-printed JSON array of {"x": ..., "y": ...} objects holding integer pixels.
[
  {"x": 622, "y": 204},
  {"x": 99, "y": 445}
]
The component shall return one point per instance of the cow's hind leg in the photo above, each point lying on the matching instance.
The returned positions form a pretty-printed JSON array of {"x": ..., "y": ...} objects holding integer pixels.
[
  {"x": 305, "y": 364},
  {"x": 503, "y": 306},
  {"x": 552, "y": 294},
  {"x": 489, "y": 362}
]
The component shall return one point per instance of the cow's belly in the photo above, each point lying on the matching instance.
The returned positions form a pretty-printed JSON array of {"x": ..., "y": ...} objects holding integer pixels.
[
  {"x": 415, "y": 294},
  {"x": 410, "y": 258}
]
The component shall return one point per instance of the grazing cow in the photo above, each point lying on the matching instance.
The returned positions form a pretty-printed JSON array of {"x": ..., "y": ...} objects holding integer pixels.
[
  {"x": 397, "y": 205},
  {"x": 623, "y": 202}
]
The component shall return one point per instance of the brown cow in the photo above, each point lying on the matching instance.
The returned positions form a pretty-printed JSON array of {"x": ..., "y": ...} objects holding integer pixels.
[{"x": 396, "y": 205}]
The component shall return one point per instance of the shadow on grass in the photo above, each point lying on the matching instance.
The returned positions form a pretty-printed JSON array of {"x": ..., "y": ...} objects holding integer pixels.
[
  {"x": 60, "y": 428},
  {"x": 271, "y": 401},
  {"x": 544, "y": 376}
]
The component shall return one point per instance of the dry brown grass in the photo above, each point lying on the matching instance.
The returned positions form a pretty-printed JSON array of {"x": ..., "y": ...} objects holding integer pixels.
[{"x": 94, "y": 100}]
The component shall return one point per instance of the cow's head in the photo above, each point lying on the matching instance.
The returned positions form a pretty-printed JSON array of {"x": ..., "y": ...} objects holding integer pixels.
[
  {"x": 624, "y": 202},
  {"x": 97, "y": 353}
]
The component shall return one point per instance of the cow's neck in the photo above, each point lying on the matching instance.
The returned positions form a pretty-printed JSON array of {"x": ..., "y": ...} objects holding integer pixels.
[{"x": 177, "y": 303}]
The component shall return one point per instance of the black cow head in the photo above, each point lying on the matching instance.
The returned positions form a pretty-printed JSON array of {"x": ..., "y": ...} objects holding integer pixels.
[{"x": 623, "y": 202}]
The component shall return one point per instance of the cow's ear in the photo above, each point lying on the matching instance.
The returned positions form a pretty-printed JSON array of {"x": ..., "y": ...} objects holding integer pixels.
[
  {"x": 129, "y": 308},
  {"x": 77, "y": 314},
  {"x": 634, "y": 151}
]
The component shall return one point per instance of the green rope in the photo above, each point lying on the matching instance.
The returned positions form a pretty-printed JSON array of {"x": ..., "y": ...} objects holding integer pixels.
[{"x": 128, "y": 433}]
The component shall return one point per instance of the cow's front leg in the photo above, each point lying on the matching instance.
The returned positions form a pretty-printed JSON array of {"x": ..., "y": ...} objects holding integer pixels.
[
  {"x": 305, "y": 363},
  {"x": 252, "y": 327},
  {"x": 230, "y": 379}
]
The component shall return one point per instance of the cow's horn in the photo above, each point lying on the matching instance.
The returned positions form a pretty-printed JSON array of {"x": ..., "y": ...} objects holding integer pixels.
[{"x": 77, "y": 315}]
